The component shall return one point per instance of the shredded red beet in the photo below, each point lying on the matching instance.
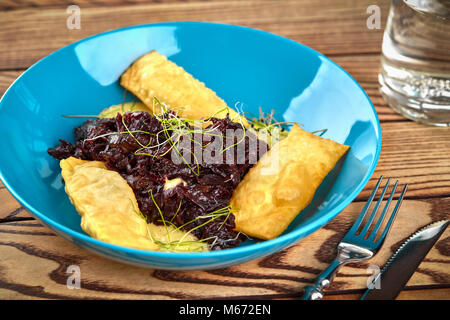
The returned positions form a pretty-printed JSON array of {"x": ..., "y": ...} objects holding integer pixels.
[{"x": 142, "y": 151}]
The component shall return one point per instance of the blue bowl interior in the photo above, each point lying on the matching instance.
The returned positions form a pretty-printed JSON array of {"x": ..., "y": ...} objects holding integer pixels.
[{"x": 246, "y": 67}]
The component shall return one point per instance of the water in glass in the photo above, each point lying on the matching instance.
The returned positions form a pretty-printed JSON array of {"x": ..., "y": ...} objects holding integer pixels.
[{"x": 415, "y": 63}]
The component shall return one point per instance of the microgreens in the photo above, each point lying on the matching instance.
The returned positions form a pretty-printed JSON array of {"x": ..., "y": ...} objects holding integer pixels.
[{"x": 172, "y": 245}]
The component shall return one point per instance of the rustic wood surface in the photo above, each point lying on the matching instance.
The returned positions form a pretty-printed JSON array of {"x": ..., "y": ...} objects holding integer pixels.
[{"x": 34, "y": 261}]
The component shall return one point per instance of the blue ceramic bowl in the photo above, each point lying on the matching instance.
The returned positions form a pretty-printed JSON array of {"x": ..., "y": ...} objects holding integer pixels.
[{"x": 242, "y": 65}]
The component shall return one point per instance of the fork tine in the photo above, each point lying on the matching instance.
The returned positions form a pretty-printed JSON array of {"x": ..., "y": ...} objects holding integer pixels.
[
  {"x": 383, "y": 214},
  {"x": 392, "y": 218},
  {"x": 375, "y": 209},
  {"x": 365, "y": 209}
]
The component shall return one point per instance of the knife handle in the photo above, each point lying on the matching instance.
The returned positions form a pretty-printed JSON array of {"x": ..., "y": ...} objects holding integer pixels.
[{"x": 315, "y": 292}]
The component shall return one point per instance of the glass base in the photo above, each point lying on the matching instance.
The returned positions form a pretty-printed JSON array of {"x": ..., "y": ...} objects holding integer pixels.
[{"x": 413, "y": 108}]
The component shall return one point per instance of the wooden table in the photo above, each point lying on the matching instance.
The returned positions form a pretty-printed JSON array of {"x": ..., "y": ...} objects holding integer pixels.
[{"x": 34, "y": 261}]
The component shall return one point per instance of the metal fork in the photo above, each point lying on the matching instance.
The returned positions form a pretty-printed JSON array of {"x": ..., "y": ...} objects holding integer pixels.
[{"x": 356, "y": 247}]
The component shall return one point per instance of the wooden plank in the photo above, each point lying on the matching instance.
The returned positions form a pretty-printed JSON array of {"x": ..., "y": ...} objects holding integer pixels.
[
  {"x": 7, "y": 78},
  {"x": 415, "y": 154},
  {"x": 34, "y": 265},
  {"x": 334, "y": 28},
  {"x": 363, "y": 68},
  {"x": 34, "y": 261}
]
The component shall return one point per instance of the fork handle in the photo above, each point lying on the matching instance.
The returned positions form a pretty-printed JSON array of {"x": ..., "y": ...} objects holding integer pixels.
[{"x": 315, "y": 292}]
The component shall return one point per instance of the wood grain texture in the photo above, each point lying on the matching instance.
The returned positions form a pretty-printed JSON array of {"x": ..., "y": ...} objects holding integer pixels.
[
  {"x": 10, "y": 209},
  {"x": 331, "y": 27},
  {"x": 415, "y": 154},
  {"x": 35, "y": 261},
  {"x": 421, "y": 294}
]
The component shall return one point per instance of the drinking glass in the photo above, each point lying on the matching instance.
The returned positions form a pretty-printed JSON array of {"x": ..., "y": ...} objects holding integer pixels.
[{"x": 415, "y": 62}]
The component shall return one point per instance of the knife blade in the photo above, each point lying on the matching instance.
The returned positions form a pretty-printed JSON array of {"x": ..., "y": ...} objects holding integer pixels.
[{"x": 404, "y": 262}]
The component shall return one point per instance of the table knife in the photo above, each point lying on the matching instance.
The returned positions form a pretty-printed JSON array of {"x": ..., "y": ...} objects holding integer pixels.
[{"x": 404, "y": 262}]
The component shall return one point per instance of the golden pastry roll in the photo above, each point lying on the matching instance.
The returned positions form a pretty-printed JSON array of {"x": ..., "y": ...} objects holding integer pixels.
[
  {"x": 153, "y": 75},
  {"x": 283, "y": 182},
  {"x": 109, "y": 210}
]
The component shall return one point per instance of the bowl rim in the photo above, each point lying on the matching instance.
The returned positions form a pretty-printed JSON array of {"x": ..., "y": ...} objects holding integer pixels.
[{"x": 266, "y": 244}]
